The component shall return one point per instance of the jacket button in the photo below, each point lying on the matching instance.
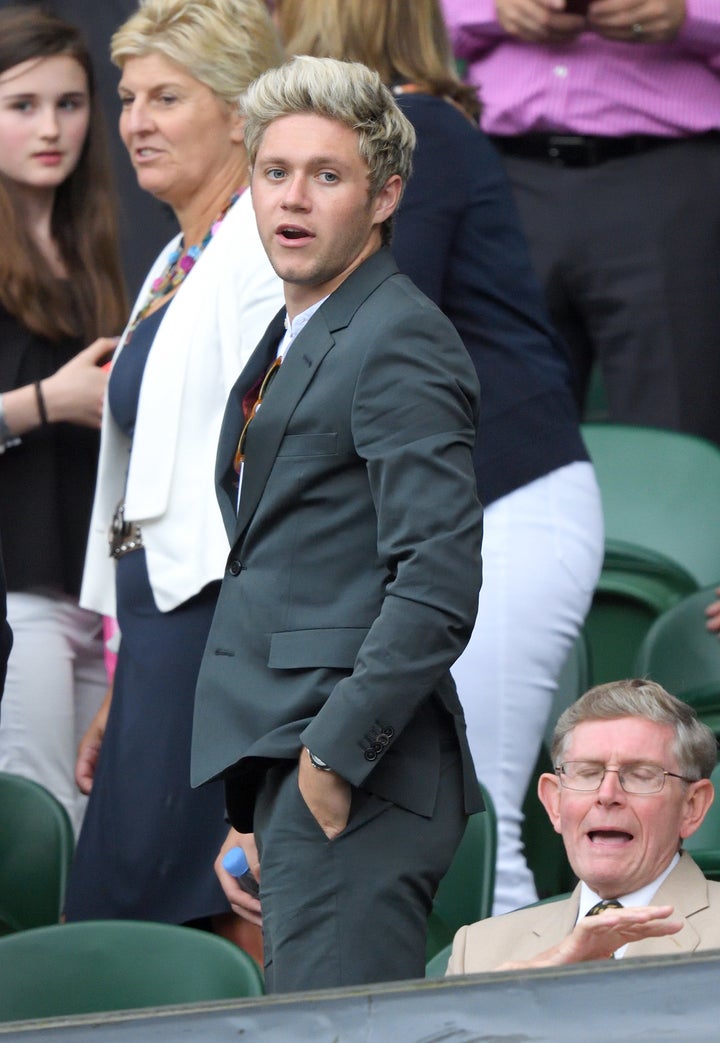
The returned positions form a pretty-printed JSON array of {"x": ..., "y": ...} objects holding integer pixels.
[
  {"x": 371, "y": 754},
  {"x": 235, "y": 567}
]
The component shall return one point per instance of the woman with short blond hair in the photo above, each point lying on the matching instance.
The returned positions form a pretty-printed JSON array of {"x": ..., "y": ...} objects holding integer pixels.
[{"x": 148, "y": 844}]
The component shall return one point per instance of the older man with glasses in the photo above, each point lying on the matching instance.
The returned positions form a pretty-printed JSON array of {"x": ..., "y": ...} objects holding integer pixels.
[{"x": 631, "y": 782}]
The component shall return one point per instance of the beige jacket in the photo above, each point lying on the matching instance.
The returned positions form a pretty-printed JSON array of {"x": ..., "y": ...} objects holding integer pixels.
[{"x": 526, "y": 933}]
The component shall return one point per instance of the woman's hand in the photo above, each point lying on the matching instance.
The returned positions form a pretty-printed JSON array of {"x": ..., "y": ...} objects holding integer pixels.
[
  {"x": 242, "y": 903},
  {"x": 75, "y": 393},
  {"x": 89, "y": 748}
]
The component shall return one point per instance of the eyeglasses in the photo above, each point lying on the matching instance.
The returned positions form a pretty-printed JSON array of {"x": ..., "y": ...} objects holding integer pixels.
[
  {"x": 587, "y": 776},
  {"x": 251, "y": 404}
]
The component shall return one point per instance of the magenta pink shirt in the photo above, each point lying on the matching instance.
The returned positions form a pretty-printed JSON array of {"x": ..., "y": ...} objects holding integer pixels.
[{"x": 592, "y": 85}]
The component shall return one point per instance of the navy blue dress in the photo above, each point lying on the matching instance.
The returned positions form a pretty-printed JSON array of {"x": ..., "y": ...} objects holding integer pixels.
[{"x": 148, "y": 842}]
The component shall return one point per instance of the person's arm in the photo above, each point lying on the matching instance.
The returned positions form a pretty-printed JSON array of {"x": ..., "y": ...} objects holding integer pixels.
[
  {"x": 597, "y": 937},
  {"x": 89, "y": 747},
  {"x": 472, "y": 26},
  {"x": 413, "y": 423},
  {"x": 475, "y": 26},
  {"x": 74, "y": 393},
  {"x": 326, "y": 794}
]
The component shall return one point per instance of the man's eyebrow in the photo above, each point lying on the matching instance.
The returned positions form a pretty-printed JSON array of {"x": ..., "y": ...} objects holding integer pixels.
[{"x": 311, "y": 161}]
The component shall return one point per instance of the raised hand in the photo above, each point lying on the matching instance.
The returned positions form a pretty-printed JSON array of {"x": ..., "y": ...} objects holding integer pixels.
[
  {"x": 539, "y": 21},
  {"x": 639, "y": 21}
]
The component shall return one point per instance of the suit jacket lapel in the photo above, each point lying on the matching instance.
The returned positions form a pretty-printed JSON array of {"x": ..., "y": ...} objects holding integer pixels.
[
  {"x": 686, "y": 890},
  {"x": 299, "y": 366},
  {"x": 233, "y": 420},
  {"x": 559, "y": 923},
  {"x": 268, "y": 428}
]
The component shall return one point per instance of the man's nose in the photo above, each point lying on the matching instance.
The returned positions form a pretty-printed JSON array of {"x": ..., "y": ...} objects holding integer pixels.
[
  {"x": 295, "y": 194},
  {"x": 610, "y": 788}
]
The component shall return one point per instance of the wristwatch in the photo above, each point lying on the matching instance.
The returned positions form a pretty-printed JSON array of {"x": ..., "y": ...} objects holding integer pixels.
[{"x": 317, "y": 763}]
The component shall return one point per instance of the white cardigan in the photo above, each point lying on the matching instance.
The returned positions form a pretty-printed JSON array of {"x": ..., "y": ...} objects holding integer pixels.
[{"x": 209, "y": 331}]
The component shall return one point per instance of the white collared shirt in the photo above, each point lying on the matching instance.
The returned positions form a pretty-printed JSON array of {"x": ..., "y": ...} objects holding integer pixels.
[
  {"x": 292, "y": 329},
  {"x": 297, "y": 325}
]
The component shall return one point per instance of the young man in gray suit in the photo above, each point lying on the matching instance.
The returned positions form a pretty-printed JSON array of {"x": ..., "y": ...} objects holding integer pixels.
[
  {"x": 346, "y": 482},
  {"x": 631, "y": 782}
]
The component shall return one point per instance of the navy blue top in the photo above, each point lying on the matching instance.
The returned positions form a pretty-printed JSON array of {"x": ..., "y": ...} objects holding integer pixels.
[
  {"x": 47, "y": 482},
  {"x": 127, "y": 374},
  {"x": 458, "y": 237}
]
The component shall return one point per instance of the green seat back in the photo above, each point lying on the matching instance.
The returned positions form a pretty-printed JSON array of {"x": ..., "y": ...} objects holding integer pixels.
[
  {"x": 102, "y": 965},
  {"x": 437, "y": 964},
  {"x": 660, "y": 490},
  {"x": 683, "y": 656},
  {"x": 624, "y": 607},
  {"x": 573, "y": 681},
  {"x": 36, "y": 848},
  {"x": 466, "y": 891}
]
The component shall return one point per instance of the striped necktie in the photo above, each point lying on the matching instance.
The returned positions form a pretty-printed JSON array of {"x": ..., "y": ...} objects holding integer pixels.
[{"x": 607, "y": 903}]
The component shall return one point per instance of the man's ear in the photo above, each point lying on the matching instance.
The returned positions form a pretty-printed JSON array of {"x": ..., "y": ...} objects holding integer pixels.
[
  {"x": 698, "y": 799},
  {"x": 386, "y": 201},
  {"x": 549, "y": 794}
]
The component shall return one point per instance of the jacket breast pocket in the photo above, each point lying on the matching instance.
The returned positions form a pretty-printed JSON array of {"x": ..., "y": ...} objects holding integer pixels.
[
  {"x": 319, "y": 443},
  {"x": 335, "y": 647}
]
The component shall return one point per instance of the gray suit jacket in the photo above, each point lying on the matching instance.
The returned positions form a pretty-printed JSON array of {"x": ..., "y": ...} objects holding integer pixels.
[
  {"x": 527, "y": 932},
  {"x": 354, "y": 568}
]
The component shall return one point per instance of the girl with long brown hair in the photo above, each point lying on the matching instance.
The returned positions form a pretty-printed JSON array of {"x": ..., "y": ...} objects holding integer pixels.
[{"x": 60, "y": 290}]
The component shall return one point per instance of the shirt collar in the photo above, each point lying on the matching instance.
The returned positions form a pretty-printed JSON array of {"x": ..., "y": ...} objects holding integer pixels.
[
  {"x": 297, "y": 325},
  {"x": 588, "y": 898}
]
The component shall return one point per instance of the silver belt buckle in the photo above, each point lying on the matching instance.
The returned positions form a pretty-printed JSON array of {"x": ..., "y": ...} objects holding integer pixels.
[{"x": 123, "y": 536}]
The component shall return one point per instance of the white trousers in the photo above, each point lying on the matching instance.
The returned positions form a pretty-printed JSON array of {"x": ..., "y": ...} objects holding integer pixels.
[
  {"x": 542, "y": 554},
  {"x": 56, "y": 681}
]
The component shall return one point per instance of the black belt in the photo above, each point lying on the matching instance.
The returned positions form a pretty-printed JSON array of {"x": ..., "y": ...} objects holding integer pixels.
[{"x": 580, "y": 150}]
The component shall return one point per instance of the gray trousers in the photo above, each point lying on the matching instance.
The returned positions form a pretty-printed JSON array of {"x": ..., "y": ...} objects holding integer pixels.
[{"x": 352, "y": 910}]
